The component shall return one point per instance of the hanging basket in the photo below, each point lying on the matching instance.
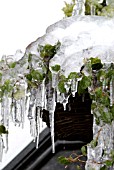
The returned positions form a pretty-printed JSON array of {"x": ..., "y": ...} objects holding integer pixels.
[{"x": 76, "y": 122}]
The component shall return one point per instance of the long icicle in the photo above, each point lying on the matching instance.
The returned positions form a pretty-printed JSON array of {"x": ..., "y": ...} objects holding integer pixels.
[
  {"x": 1, "y": 147},
  {"x": 111, "y": 93},
  {"x": 52, "y": 112},
  {"x": 37, "y": 122}
]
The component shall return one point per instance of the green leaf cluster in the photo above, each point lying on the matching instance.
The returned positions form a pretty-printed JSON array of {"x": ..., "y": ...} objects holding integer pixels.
[
  {"x": 48, "y": 51},
  {"x": 63, "y": 160},
  {"x": 12, "y": 65},
  {"x": 34, "y": 78},
  {"x": 56, "y": 67},
  {"x": 61, "y": 85},
  {"x": 97, "y": 5},
  {"x": 73, "y": 75},
  {"x": 84, "y": 84},
  {"x": 101, "y": 9},
  {"x": 6, "y": 88},
  {"x": 68, "y": 9}
]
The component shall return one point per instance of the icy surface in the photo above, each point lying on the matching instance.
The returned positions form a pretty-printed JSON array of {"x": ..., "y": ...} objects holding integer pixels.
[{"x": 81, "y": 37}]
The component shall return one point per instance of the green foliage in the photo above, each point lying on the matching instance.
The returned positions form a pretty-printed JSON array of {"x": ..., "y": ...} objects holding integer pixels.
[
  {"x": 34, "y": 78},
  {"x": 96, "y": 63},
  {"x": 73, "y": 75},
  {"x": 56, "y": 67},
  {"x": 101, "y": 9},
  {"x": 6, "y": 88},
  {"x": 84, "y": 150},
  {"x": 63, "y": 160},
  {"x": 12, "y": 65},
  {"x": 61, "y": 87},
  {"x": 84, "y": 84},
  {"x": 108, "y": 163},
  {"x": 107, "y": 11},
  {"x": 93, "y": 143},
  {"x": 92, "y": 2},
  {"x": 68, "y": 9},
  {"x": 48, "y": 51}
]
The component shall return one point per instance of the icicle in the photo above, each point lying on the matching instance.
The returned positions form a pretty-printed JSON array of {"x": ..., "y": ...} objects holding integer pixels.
[
  {"x": 92, "y": 9},
  {"x": 31, "y": 127},
  {"x": 111, "y": 93},
  {"x": 39, "y": 96},
  {"x": 79, "y": 8},
  {"x": 41, "y": 122},
  {"x": 37, "y": 121},
  {"x": 6, "y": 143},
  {"x": 52, "y": 132},
  {"x": 22, "y": 111},
  {"x": 31, "y": 112},
  {"x": 51, "y": 107},
  {"x": 1, "y": 148},
  {"x": 5, "y": 111},
  {"x": 58, "y": 96},
  {"x": 18, "y": 113},
  {"x": 43, "y": 95},
  {"x": 74, "y": 85},
  {"x": 54, "y": 79}
]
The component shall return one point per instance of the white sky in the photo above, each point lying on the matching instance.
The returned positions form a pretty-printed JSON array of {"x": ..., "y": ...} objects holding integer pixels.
[{"x": 23, "y": 21}]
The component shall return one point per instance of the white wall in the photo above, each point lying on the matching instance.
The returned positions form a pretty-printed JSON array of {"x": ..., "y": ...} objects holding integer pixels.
[{"x": 21, "y": 22}]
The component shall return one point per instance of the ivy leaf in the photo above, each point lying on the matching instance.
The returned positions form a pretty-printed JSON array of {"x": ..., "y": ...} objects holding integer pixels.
[
  {"x": 98, "y": 93},
  {"x": 73, "y": 75},
  {"x": 63, "y": 160},
  {"x": 84, "y": 84},
  {"x": 84, "y": 150},
  {"x": 36, "y": 75},
  {"x": 106, "y": 117},
  {"x": 110, "y": 73},
  {"x": 108, "y": 163},
  {"x": 68, "y": 9},
  {"x": 61, "y": 87},
  {"x": 100, "y": 74},
  {"x": 6, "y": 87},
  {"x": 93, "y": 143},
  {"x": 96, "y": 63},
  {"x": 93, "y": 106},
  {"x": 12, "y": 65},
  {"x": 105, "y": 100},
  {"x": 56, "y": 67},
  {"x": 29, "y": 77},
  {"x": 48, "y": 51}
]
